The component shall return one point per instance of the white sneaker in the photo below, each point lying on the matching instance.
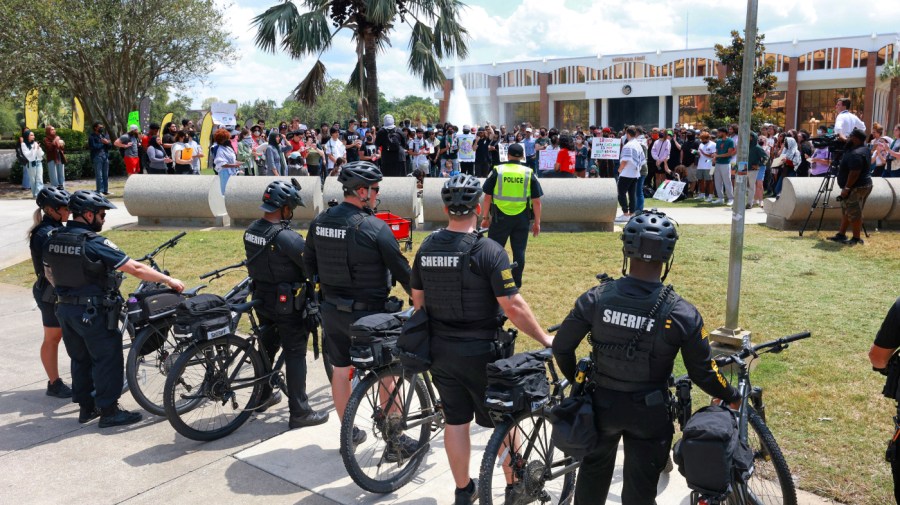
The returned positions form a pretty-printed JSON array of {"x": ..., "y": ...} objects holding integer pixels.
[
  {"x": 709, "y": 199},
  {"x": 700, "y": 197},
  {"x": 729, "y": 203},
  {"x": 717, "y": 201}
]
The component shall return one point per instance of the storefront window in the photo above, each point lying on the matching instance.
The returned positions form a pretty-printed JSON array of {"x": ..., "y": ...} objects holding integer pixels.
[
  {"x": 691, "y": 107},
  {"x": 523, "y": 112},
  {"x": 571, "y": 113},
  {"x": 777, "y": 108},
  {"x": 816, "y": 106}
]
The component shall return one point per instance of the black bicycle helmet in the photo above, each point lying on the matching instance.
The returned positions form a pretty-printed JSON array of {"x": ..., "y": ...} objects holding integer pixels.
[
  {"x": 88, "y": 201},
  {"x": 53, "y": 197},
  {"x": 280, "y": 193},
  {"x": 649, "y": 236},
  {"x": 461, "y": 194},
  {"x": 359, "y": 174}
]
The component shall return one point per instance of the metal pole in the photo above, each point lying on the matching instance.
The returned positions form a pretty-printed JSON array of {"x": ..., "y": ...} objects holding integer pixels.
[{"x": 735, "y": 259}]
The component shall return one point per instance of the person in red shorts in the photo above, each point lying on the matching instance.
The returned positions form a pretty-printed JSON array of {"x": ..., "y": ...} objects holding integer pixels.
[{"x": 129, "y": 143}]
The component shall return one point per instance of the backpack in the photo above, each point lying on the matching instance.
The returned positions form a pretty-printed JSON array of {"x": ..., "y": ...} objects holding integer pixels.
[
  {"x": 710, "y": 454},
  {"x": 395, "y": 142}
]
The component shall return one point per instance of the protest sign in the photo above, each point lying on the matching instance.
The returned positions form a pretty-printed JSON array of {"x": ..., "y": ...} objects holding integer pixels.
[
  {"x": 548, "y": 159},
  {"x": 466, "y": 143},
  {"x": 503, "y": 149},
  {"x": 603, "y": 148},
  {"x": 669, "y": 191}
]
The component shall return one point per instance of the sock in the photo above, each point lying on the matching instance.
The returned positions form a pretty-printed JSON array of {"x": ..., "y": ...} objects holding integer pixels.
[{"x": 469, "y": 487}]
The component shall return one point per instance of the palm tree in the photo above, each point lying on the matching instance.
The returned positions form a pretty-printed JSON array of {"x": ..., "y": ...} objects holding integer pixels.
[{"x": 436, "y": 34}]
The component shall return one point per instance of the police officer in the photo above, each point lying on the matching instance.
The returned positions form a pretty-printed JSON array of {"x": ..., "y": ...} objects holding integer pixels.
[
  {"x": 354, "y": 254},
  {"x": 887, "y": 340},
  {"x": 637, "y": 327},
  {"x": 52, "y": 213},
  {"x": 512, "y": 198},
  {"x": 275, "y": 263},
  {"x": 465, "y": 284},
  {"x": 81, "y": 266}
]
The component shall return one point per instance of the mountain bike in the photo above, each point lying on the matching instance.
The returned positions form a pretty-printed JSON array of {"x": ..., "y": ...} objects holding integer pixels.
[
  {"x": 769, "y": 481},
  {"x": 400, "y": 413},
  {"x": 521, "y": 464}
]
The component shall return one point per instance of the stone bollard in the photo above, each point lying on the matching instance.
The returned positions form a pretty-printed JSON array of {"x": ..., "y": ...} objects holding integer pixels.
[
  {"x": 243, "y": 196},
  {"x": 175, "y": 200},
  {"x": 7, "y": 161},
  {"x": 792, "y": 208},
  {"x": 396, "y": 194}
]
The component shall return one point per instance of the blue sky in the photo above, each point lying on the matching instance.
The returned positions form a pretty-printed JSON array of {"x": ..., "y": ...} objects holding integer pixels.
[{"x": 506, "y": 30}]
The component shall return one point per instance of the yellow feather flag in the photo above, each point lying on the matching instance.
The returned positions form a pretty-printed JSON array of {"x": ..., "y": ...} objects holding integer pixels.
[
  {"x": 162, "y": 125},
  {"x": 77, "y": 115},
  {"x": 31, "y": 109},
  {"x": 205, "y": 135}
]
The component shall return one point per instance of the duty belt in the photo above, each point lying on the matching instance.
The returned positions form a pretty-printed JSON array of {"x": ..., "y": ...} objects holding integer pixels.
[
  {"x": 360, "y": 306},
  {"x": 80, "y": 300}
]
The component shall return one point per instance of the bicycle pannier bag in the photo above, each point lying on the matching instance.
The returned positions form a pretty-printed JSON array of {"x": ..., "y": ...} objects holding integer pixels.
[
  {"x": 517, "y": 384},
  {"x": 574, "y": 426},
  {"x": 373, "y": 339},
  {"x": 414, "y": 344},
  {"x": 710, "y": 454},
  {"x": 203, "y": 317},
  {"x": 147, "y": 306}
]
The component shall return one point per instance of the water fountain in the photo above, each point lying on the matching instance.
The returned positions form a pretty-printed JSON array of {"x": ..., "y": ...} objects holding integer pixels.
[{"x": 459, "y": 111}]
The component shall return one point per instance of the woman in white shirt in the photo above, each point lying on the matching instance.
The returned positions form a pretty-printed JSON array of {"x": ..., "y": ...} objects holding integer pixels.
[
  {"x": 34, "y": 170},
  {"x": 182, "y": 166},
  {"x": 226, "y": 162},
  {"x": 192, "y": 144}
]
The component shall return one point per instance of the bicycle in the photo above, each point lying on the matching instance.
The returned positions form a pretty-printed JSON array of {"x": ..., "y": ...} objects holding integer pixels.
[
  {"x": 769, "y": 481},
  {"x": 521, "y": 464},
  {"x": 396, "y": 409}
]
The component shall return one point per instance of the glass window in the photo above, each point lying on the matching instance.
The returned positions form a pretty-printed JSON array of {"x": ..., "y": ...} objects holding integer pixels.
[
  {"x": 679, "y": 68},
  {"x": 581, "y": 72},
  {"x": 843, "y": 58},
  {"x": 619, "y": 71},
  {"x": 816, "y": 106},
  {"x": 702, "y": 67},
  {"x": 802, "y": 63},
  {"x": 571, "y": 113},
  {"x": 523, "y": 112},
  {"x": 818, "y": 60},
  {"x": 885, "y": 54},
  {"x": 691, "y": 107},
  {"x": 530, "y": 78},
  {"x": 777, "y": 108}
]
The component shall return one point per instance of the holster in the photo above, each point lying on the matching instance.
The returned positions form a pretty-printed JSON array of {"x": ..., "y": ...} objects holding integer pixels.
[
  {"x": 890, "y": 455},
  {"x": 284, "y": 298},
  {"x": 112, "y": 305},
  {"x": 48, "y": 292},
  {"x": 505, "y": 342}
]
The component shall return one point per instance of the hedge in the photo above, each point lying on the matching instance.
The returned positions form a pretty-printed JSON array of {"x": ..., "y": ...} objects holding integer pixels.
[
  {"x": 79, "y": 166},
  {"x": 75, "y": 141}
]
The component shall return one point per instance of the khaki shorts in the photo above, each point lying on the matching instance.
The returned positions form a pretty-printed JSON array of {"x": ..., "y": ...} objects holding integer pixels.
[
  {"x": 704, "y": 174},
  {"x": 852, "y": 206},
  {"x": 692, "y": 173}
]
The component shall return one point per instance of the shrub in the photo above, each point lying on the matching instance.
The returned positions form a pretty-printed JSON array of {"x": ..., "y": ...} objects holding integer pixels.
[{"x": 78, "y": 166}]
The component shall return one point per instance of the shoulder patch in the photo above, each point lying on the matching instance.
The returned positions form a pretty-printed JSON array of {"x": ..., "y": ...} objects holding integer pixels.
[{"x": 108, "y": 243}]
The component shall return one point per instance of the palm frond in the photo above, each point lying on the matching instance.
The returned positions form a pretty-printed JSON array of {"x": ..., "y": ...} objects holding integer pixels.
[
  {"x": 355, "y": 83},
  {"x": 421, "y": 33},
  {"x": 276, "y": 21},
  {"x": 312, "y": 85},
  {"x": 311, "y": 35},
  {"x": 450, "y": 37},
  {"x": 381, "y": 12},
  {"x": 422, "y": 62}
]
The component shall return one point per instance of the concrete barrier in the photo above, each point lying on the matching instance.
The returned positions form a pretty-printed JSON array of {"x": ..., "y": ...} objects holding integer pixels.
[
  {"x": 175, "y": 200},
  {"x": 567, "y": 204},
  {"x": 792, "y": 208},
  {"x": 396, "y": 194},
  {"x": 243, "y": 196},
  {"x": 7, "y": 160}
]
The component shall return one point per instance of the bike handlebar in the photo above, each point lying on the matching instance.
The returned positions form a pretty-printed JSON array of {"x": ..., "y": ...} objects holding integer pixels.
[
  {"x": 224, "y": 269},
  {"x": 554, "y": 328},
  {"x": 172, "y": 242},
  {"x": 776, "y": 346}
]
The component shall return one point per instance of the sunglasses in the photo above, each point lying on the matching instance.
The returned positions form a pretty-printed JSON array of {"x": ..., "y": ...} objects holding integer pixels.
[
  {"x": 101, "y": 215},
  {"x": 374, "y": 188}
]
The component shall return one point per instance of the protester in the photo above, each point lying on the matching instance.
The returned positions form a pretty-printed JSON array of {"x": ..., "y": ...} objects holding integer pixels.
[
  {"x": 54, "y": 148},
  {"x": 226, "y": 161},
  {"x": 99, "y": 145},
  {"x": 34, "y": 155}
]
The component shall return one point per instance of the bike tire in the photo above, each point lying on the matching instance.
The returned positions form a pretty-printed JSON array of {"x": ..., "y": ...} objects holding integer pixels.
[
  {"x": 367, "y": 463},
  {"x": 771, "y": 482},
  {"x": 535, "y": 454},
  {"x": 146, "y": 373},
  {"x": 199, "y": 376}
]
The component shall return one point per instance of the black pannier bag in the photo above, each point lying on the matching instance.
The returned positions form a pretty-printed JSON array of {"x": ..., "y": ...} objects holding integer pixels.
[
  {"x": 203, "y": 317},
  {"x": 414, "y": 344},
  {"x": 152, "y": 305},
  {"x": 373, "y": 339},
  {"x": 517, "y": 384},
  {"x": 710, "y": 454}
]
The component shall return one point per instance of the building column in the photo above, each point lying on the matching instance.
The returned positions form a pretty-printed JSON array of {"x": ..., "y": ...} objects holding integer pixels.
[
  {"x": 592, "y": 112},
  {"x": 662, "y": 112},
  {"x": 543, "y": 82},
  {"x": 444, "y": 104},
  {"x": 675, "y": 109},
  {"x": 790, "y": 106},
  {"x": 869, "y": 110},
  {"x": 604, "y": 112},
  {"x": 493, "y": 84}
]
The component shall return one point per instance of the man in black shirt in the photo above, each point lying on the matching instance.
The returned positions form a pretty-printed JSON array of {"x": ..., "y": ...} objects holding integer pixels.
[
  {"x": 482, "y": 153},
  {"x": 855, "y": 179},
  {"x": 465, "y": 284},
  {"x": 393, "y": 146},
  {"x": 637, "y": 328},
  {"x": 886, "y": 342}
]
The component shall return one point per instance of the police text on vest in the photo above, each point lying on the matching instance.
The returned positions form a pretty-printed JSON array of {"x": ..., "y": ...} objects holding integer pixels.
[
  {"x": 626, "y": 320},
  {"x": 69, "y": 250}
]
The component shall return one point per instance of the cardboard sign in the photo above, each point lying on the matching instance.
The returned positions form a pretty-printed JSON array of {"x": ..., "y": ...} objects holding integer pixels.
[
  {"x": 548, "y": 159},
  {"x": 669, "y": 191},
  {"x": 134, "y": 117},
  {"x": 466, "y": 143},
  {"x": 503, "y": 149},
  {"x": 187, "y": 154},
  {"x": 603, "y": 148}
]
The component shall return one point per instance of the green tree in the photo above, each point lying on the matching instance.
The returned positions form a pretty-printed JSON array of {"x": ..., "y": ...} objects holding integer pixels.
[
  {"x": 725, "y": 94},
  {"x": 161, "y": 104},
  {"x": 109, "y": 53},
  {"x": 207, "y": 103},
  {"x": 436, "y": 34}
]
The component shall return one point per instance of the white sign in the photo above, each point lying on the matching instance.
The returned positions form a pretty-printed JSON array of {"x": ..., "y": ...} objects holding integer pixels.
[
  {"x": 466, "y": 143},
  {"x": 223, "y": 113},
  {"x": 503, "y": 149},
  {"x": 603, "y": 148},
  {"x": 548, "y": 159},
  {"x": 668, "y": 191}
]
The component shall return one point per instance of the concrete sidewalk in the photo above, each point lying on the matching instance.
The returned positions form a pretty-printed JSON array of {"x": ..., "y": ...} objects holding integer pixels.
[{"x": 47, "y": 457}]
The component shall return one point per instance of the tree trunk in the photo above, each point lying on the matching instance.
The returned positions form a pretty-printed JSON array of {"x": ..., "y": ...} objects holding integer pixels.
[{"x": 371, "y": 84}]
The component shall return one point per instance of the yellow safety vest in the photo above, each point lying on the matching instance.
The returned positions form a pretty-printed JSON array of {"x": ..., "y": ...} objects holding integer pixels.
[{"x": 513, "y": 190}]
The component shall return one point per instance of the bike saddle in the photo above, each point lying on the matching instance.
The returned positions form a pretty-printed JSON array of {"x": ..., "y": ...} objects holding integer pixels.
[{"x": 240, "y": 308}]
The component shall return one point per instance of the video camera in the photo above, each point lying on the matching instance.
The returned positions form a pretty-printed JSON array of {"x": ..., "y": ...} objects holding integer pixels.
[{"x": 832, "y": 142}]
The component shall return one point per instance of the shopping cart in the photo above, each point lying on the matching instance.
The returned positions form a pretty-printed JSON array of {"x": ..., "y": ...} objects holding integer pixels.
[{"x": 400, "y": 227}]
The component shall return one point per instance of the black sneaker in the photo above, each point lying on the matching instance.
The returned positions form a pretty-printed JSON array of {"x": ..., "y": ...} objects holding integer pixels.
[
  {"x": 359, "y": 436},
  {"x": 311, "y": 419},
  {"x": 400, "y": 450},
  {"x": 268, "y": 402},
  {"x": 117, "y": 416},
  {"x": 838, "y": 237},
  {"x": 854, "y": 241},
  {"x": 58, "y": 389},
  {"x": 88, "y": 413},
  {"x": 468, "y": 494}
]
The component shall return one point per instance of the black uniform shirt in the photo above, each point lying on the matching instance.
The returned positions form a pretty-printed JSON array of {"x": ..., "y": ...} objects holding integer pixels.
[
  {"x": 100, "y": 249},
  {"x": 489, "y": 261},
  {"x": 39, "y": 240},
  {"x": 888, "y": 336},
  {"x": 686, "y": 332}
]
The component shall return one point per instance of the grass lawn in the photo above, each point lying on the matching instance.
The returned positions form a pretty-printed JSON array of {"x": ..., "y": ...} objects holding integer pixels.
[
  {"x": 824, "y": 403},
  {"x": 10, "y": 191}
]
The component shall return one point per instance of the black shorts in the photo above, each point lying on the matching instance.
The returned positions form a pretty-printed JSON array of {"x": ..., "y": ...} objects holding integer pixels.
[
  {"x": 336, "y": 327},
  {"x": 48, "y": 310},
  {"x": 461, "y": 381}
]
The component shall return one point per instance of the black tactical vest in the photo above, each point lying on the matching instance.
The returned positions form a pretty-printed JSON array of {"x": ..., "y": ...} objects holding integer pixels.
[
  {"x": 269, "y": 263},
  {"x": 40, "y": 235},
  {"x": 67, "y": 264},
  {"x": 454, "y": 296},
  {"x": 340, "y": 260},
  {"x": 620, "y": 362}
]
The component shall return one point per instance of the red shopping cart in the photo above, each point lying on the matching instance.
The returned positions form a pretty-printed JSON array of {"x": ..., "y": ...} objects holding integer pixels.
[{"x": 400, "y": 227}]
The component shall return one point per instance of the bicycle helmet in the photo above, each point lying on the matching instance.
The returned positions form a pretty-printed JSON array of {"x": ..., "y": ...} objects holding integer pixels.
[
  {"x": 53, "y": 197},
  {"x": 359, "y": 174},
  {"x": 280, "y": 193},
  {"x": 461, "y": 194},
  {"x": 88, "y": 201},
  {"x": 649, "y": 236}
]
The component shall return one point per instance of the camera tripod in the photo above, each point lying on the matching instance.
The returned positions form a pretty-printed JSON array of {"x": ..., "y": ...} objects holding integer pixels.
[{"x": 823, "y": 197}]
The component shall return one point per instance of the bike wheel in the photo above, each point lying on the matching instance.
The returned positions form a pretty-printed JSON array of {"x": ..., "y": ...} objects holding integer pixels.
[
  {"x": 771, "y": 482},
  {"x": 218, "y": 379},
  {"x": 521, "y": 452},
  {"x": 397, "y": 414},
  {"x": 150, "y": 359}
]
